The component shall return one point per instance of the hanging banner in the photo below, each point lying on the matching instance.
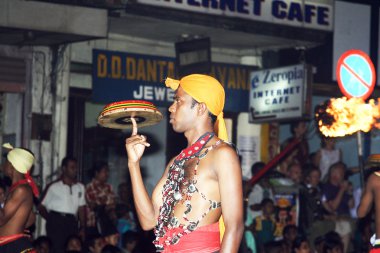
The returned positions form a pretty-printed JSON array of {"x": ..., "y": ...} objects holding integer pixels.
[{"x": 124, "y": 76}]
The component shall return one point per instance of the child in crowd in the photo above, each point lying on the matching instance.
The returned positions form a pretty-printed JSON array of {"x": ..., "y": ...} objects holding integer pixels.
[
  {"x": 289, "y": 235},
  {"x": 333, "y": 243},
  {"x": 261, "y": 190},
  {"x": 42, "y": 245},
  {"x": 264, "y": 224},
  {"x": 130, "y": 241},
  {"x": 301, "y": 245},
  {"x": 74, "y": 244}
]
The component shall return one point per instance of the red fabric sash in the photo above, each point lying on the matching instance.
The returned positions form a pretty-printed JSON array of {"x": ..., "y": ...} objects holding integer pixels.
[
  {"x": 10, "y": 238},
  {"x": 204, "y": 239},
  {"x": 28, "y": 180}
]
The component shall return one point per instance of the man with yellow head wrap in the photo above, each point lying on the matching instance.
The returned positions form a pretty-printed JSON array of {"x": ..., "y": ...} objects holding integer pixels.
[
  {"x": 200, "y": 183},
  {"x": 17, "y": 213}
]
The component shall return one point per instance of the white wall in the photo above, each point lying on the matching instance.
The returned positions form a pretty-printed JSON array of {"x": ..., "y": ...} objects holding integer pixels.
[{"x": 351, "y": 29}]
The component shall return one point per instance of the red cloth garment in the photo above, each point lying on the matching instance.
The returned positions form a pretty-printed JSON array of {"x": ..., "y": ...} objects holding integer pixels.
[
  {"x": 375, "y": 246},
  {"x": 10, "y": 238},
  {"x": 205, "y": 239},
  {"x": 18, "y": 243},
  {"x": 28, "y": 180}
]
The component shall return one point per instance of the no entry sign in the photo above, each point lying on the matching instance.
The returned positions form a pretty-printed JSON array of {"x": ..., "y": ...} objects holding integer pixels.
[{"x": 356, "y": 74}]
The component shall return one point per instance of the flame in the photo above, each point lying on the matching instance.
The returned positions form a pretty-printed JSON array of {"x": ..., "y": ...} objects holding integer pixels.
[{"x": 342, "y": 116}]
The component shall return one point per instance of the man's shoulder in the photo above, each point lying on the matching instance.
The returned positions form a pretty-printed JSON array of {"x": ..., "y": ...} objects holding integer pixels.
[
  {"x": 225, "y": 146},
  {"x": 53, "y": 184},
  {"x": 23, "y": 189},
  {"x": 374, "y": 179},
  {"x": 79, "y": 185},
  {"x": 90, "y": 184}
]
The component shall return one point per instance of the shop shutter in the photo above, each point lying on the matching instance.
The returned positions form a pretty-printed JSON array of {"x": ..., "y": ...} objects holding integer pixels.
[{"x": 12, "y": 74}]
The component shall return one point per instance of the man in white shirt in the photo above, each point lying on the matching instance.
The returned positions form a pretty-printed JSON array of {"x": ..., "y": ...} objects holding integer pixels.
[{"x": 63, "y": 205}]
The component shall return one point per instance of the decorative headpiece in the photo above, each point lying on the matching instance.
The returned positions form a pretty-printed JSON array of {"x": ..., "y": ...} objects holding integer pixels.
[
  {"x": 22, "y": 161},
  {"x": 208, "y": 90}
]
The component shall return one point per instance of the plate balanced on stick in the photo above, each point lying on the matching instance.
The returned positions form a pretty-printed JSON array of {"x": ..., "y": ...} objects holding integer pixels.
[{"x": 118, "y": 115}]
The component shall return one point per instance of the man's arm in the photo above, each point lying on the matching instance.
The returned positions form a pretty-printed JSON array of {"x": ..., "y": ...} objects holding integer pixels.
[
  {"x": 45, "y": 197},
  {"x": 43, "y": 211},
  {"x": 230, "y": 188},
  {"x": 19, "y": 196},
  {"x": 334, "y": 203},
  {"x": 82, "y": 221},
  {"x": 90, "y": 196},
  {"x": 146, "y": 208},
  {"x": 367, "y": 198}
]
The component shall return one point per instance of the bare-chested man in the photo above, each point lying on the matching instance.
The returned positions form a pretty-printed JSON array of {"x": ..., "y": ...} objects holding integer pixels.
[
  {"x": 200, "y": 184},
  {"x": 370, "y": 196},
  {"x": 17, "y": 213}
]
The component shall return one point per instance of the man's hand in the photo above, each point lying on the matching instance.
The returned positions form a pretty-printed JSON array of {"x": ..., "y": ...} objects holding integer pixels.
[
  {"x": 344, "y": 186},
  {"x": 135, "y": 145}
]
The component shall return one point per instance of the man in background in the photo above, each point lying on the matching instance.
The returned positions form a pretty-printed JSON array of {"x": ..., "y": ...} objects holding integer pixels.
[{"x": 63, "y": 205}]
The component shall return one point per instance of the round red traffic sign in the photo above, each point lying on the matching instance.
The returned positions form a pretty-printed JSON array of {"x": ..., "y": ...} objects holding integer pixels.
[{"x": 356, "y": 74}]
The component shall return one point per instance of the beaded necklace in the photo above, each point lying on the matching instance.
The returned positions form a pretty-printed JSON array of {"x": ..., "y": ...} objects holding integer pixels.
[{"x": 177, "y": 188}]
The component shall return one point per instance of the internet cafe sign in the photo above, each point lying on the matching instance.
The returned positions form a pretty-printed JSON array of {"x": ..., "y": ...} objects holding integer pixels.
[
  {"x": 279, "y": 94},
  {"x": 315, "y": 14}
]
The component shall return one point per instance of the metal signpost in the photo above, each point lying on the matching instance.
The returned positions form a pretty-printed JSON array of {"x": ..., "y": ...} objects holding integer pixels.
[{"x": 356, "y": 77}]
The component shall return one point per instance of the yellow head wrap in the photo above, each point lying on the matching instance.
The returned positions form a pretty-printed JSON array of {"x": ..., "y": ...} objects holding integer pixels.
[
  {"x": 20, "y": 159},
  {"x": 208, "y": 90}
]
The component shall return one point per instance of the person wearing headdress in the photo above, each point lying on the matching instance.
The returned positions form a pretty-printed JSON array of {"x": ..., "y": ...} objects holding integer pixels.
[
  {"x": 201, "y": 183},
  {"x": 371, "y": 197},
  {"x": 17, "y": 213}
]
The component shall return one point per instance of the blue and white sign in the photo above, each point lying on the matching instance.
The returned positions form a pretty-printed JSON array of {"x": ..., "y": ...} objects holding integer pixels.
[
  {"x": 315, "y": 14},
  {"x": 278, "y": 94},
  {"x": 356, "y": 74},
  {"x": 125, "y": 76}
]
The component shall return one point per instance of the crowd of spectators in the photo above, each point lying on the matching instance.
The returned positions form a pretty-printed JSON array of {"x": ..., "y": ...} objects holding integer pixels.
[
  {"x": 86, "y": 218},
  {"x": 319, "y": 217},
  {"x": 306, "y": 204}
]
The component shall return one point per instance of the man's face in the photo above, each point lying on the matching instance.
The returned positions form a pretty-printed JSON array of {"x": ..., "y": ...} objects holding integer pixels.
[
  {"x": 43, "y": 248},
  {"x": 304, "y": 248},
  {"x": 98, "y": 245},
  {"x": 268, "y": 208},
  {"x": 295, "y": 173},
  {"x": 71, "y": 170},
  {"x": 112, "y": 239},
  {"x": 301, "y": 129},
  {"x": 337, "y": 174},
  {"x": 7, "y": 169},
  {"x": 314, "y": 178},
  {"x": 102, "y": 175},
  {"x": 182, "y": 114}
]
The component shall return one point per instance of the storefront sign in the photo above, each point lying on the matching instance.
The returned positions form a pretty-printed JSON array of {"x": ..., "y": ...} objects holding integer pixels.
[
  {"x": 124, "y": 76},
  {"x": 316, "y": 14},
  {"x": 278, "y": 94}
]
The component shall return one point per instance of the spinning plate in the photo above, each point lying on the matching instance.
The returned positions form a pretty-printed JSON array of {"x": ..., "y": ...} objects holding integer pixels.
[{"x": 118, "y": 115}]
